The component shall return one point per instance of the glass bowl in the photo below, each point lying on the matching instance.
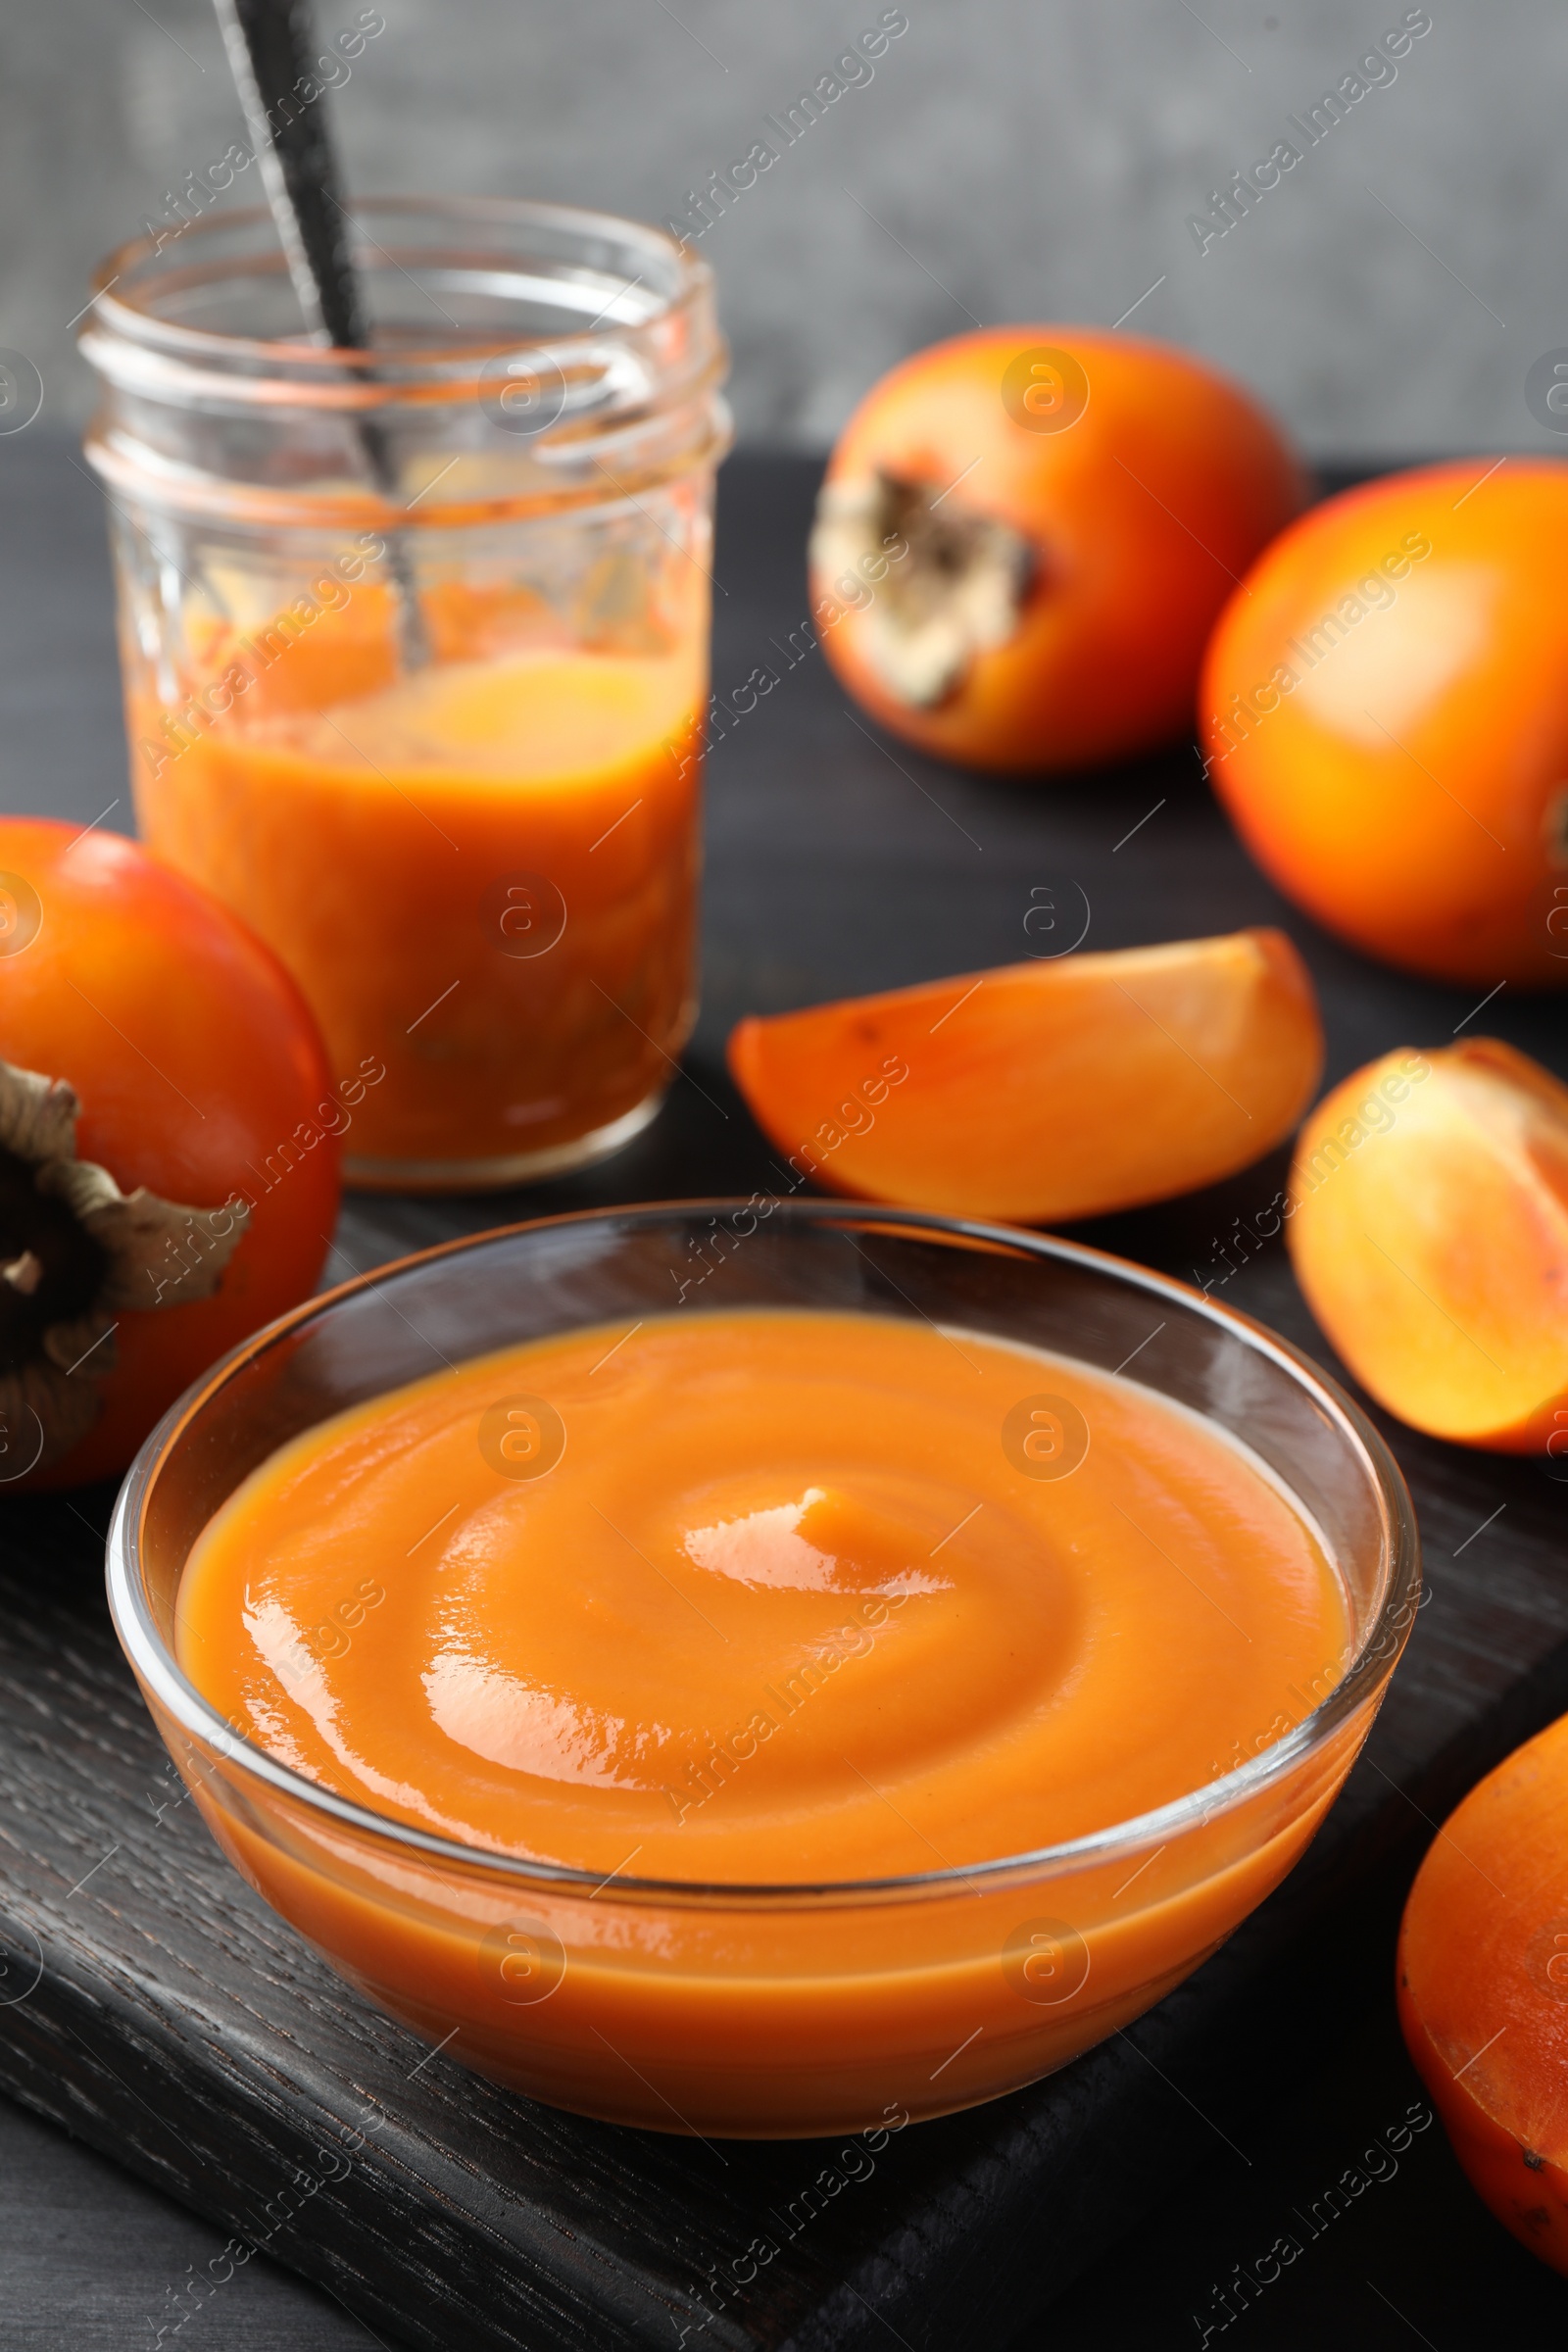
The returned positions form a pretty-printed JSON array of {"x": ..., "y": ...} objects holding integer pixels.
[{"x": 794, "y": 2009}]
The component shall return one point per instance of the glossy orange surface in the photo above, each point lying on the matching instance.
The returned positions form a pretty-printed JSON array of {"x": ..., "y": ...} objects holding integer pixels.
[
  {"x": 780, "y": 1596},
  {"x": 1141, "y": 515},
  {"x": 1428, "y": 1227},
  {"x": 484, "y": 874},
  {"x": 1384, "y": 707},
  {"x": 1483, "y": 1989},
  {"x": 807, "y": 1546},
  {"x": 200, "y": 1074},
  {"x": 1046, "y": 1091}
]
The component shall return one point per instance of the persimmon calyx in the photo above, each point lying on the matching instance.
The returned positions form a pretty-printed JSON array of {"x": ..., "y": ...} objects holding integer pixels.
[
  {"x": 956, "y": 592},
  {"x": 75, "y": 1254}
]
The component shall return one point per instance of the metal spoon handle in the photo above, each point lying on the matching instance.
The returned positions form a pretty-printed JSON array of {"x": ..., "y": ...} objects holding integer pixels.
[
  {"x": 269, "y": 44},
  {"x": 272, "y": 54}
]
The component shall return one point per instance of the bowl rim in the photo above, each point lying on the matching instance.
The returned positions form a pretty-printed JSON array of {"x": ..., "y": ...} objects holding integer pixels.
[{"x": 1376, "y": 1652}]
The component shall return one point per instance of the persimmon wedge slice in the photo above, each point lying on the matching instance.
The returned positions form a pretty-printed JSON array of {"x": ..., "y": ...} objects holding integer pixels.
[
  {"x": 1047, "y": 1091},
  {"x": 1483, "y": 1989},
  {"x": 1429, "y": 1231}
]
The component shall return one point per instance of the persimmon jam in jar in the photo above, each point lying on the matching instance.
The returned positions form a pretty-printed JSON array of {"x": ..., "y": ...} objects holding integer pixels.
[{"x": 414, "y": 645}]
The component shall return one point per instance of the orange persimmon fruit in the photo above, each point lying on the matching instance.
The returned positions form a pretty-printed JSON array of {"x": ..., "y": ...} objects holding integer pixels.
[
  {"x": 1384, "y": 706},
  {"x": 1024, "y": 537},
  {"x": 168, "y": 1146},
  {"x": 1047, "y": 1090},
  {"x": 1483, "y": 1989},
  {"x": 1429, "y": 1232}
]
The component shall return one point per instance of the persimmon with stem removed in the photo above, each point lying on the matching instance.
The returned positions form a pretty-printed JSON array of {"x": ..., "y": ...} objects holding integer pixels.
[
  {"x": 1024, "y": 537},
  {"x": 1046, "y": 1091},
  {"x": 1483, "y": 1989},
  {"x": 1429, "y": 1231}
]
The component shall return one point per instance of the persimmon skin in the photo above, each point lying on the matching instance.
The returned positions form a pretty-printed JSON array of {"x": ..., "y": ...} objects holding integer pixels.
[
  {"x": 195, "y": 1059},
  {"x": 1473, "y": 1970},
  {"x": 1410, "y": 788},
  {"x": 1143, "y": 515},
  {"x": 1428, "y": 1227},
  {"x": 1044, "y": 1092}
]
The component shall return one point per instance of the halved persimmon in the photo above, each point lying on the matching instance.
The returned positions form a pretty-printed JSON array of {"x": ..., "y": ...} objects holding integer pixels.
[
  {"x": 1483, "y": 1989},
  {"x": 1429, "y": 1231},
  {"x": 1043, "y": 1091}
]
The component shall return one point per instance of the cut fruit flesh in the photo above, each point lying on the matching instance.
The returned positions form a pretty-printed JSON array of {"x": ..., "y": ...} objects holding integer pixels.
[
  {"x": 1483, "y": 1989},
  {"x": 1049, "y": 1090},
  {"x": 1429, "y": 1234}
]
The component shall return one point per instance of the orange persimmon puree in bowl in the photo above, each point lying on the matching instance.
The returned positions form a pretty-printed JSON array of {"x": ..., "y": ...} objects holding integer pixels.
[{"x": 758, "y": 1600}]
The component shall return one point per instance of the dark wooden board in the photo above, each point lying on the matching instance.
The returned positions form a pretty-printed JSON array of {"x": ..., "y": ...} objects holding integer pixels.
[{"x": 176, "y": 2024}]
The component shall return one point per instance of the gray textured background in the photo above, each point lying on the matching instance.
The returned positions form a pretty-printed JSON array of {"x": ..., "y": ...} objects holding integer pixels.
[{"x": 1013, "y": 159}]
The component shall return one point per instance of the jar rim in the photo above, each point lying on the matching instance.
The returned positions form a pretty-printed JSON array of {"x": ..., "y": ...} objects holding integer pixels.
[
  {"x": 609, "y": 322},
  {"x": 120, "y": 308}
]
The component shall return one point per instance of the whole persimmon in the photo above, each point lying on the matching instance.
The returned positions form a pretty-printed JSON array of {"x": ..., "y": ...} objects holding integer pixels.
[
  {"x": 1483, "y": 1989},
  {"x": 168, "y": 1146},
  {"x": 1428, "y": 1227},
  {"x": 1044, "y": 1092},
  {"x": 1384, "y": 706},
  {"x": 1024, "y": 537}
]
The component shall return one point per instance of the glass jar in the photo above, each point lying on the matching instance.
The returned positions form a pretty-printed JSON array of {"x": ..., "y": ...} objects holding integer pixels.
[{"x": 415, "y": 644}]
